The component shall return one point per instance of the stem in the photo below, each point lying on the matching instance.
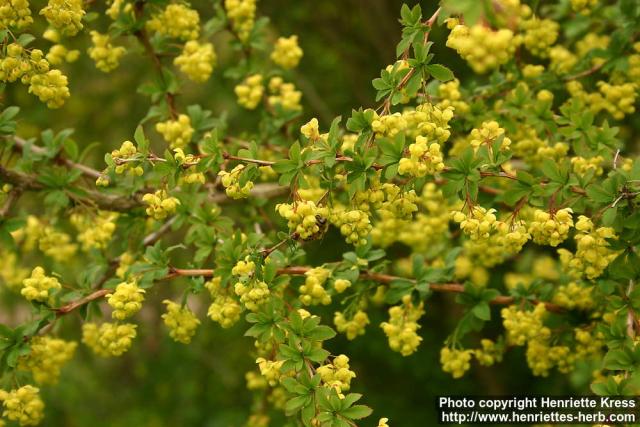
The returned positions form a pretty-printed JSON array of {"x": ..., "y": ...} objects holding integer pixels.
[
  {"x": 143, "y": 38},
  {"x": 66, "y": 309},
  {"x": 86, "y": 170}
]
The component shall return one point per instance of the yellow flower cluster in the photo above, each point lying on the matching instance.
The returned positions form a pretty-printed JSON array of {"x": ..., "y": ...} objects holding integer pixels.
[
  {"x": 126, "y": 260},
  {"x": 341, "y": 285},
  {"x": 303, "y": 218},
  {"x": 478, "y": 224},
  {"x": 270, "y": 370},
  {"x": 46, "y": 358},
  {"x": 487, "y": 134},
  {"x": 196, "y": 60},
  {"x": 454, "y": 361},
  {"x": 420, "y": 233},
  {"x": 105, "y": 55},
  {"x": 51, "y": 88},
  {"x": 284, "y": 94},
  {"x": 224, "y": 309},
  {"x": 39, "y": 286},
  {"x": 15, "y": 13},
  {"x": 94, "y": 232},
  {"x": 489, "y": 354},
  {"x": 126, "y": 300},
  {"x": 382, "y": 422},
  {"x": 450, "y": 96},
  {"x": 523, "y": 326},
  {"x": 531, "y": 71},
  {"x": 372, "y": 197},
  {"x": 231, "y": 183},
  {"x": 244, "y": 268},
  {"x": 588, "y": 343},
  {"x": 483, "y": 48},
  {"x": 188, "y": 161},
  {"x": 351, "y": 327},
  {"x": 581, "y": 166},
  {"x": 160, "y": 204},
  {"x": 619, "y": 100},
  {"x": 19, "y": 64},
  {"x": 252, "y": 293},
  {"x": 119, "y": 7},
  {"x": 528, "y": 145},
  {"x": 56, "y": 244},
  {"x": 110, "y": 339},
  {"x": 242, "y": 14},
  {"x": 287, "y": 53},
  {"x": 551, "y": 229},
  {"x": 337, "y": 374},
  {"x": 466, "y": 268},
  {"x": 254, "y": 380},
  {"x": 354, "y": 225},
  {"x": 539, "y": 35},
  {"x": 402, "y": 327},
  {"x": 181, "y": 321},
  {"x": 177, "y": 21},
  {"x": 58, "y": 54},
  {"x": 11, "y": 273},
  {"x": 176, "y": 132},
  {"x": 65, "y": 15},
  {"x": 573, "y": 295},
  {"x": 400, "y": 204},
  {"x": 313, "y": 291},
  {"x": 311, "y": 129},
  {"x": 541, "y": 357},
  {"x": 426, "y": 120},
  {"x": 593, "y": 253},
  {"x": 250, "y": 91},
  {"x": 120, "y": 156},
  {"x": 583, "y": 6},
  {"x": 561, "y": 60},
  {"x": 504, "y": 240},
  {"x": 23, "y": 405},
  {"x": 424, "y": 159}
]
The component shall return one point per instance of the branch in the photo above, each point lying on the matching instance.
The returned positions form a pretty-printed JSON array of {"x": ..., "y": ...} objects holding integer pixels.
[
  {"x": 585, "y": 73},
  {"x": 366, "y": 275},
  {"x": 66, "y": 309},
  {"x": 143, "y": 38},
  {"x": 309, "y": 163},
  {"x": 86, "y": 170},
  {"x": 12, "y": 197}
]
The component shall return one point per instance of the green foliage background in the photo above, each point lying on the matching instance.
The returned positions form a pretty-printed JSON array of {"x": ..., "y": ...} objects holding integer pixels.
[{"x": 162, "y": 383}]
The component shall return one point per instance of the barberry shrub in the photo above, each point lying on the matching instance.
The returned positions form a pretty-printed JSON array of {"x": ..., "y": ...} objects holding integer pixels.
[{"x": 512, "y": 191}]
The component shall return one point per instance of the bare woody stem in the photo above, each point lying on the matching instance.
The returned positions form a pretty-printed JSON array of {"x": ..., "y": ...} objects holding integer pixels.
[
  {"x": 143, "y": 38},
  {"x": 22, "y": 144},
  {"x": 96, "y": 295},
  {"x": 455, "y": 288},
  {"x": 376, "y": 277}
]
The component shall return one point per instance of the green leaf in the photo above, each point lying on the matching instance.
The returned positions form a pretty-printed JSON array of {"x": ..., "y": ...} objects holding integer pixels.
[
  {"x": 617, "y": 360},
  {"x": 356, "y": 412},
  {"x": 440, "y": 72},
  {"x": 321, "y": 333},
  {"x": 482, "y": 311}
]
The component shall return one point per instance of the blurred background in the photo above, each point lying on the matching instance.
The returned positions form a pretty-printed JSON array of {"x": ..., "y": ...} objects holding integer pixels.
[{"x": 161, "y": 383}]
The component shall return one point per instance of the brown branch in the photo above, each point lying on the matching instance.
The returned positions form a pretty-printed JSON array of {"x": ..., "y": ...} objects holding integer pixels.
[
  {"x": 309, "y": 163},
  {"x": 22, "y": 144},
  {"x": 143, "y": 38},
  {"x": 376, "y": 277},
  {"x": 66, "y": 309},
  {"x": 301, "y": 270},
  {"x": 585, "y": 73},
  {"x": 12, "y": 197}
]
